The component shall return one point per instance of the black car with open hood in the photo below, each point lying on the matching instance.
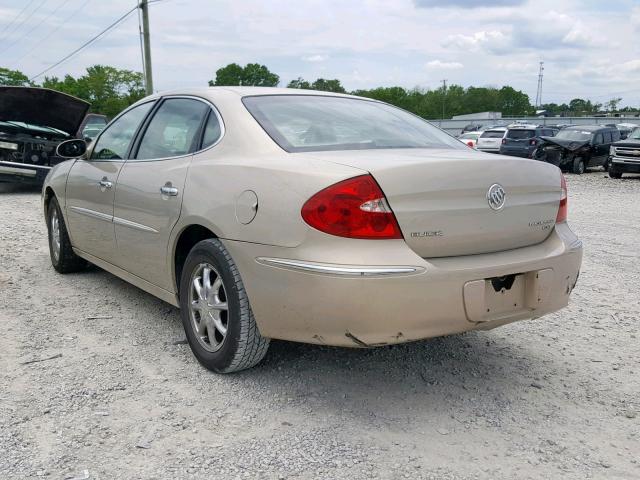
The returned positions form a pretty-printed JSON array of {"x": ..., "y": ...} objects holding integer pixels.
[
  {"x": 578, "y": 147},
  {"x": 33, "y": 121}
]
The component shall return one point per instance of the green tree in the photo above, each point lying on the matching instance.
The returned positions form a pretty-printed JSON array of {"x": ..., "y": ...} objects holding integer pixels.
[
  {"x": 14, "y": 78},
  {"x": 513, "y": 103},
  {"x": 612, "y": 105},
  {"x": 299, "y": 83},
  {"x": 108, "y": 89},
  {"x": 321, "y": 84},
  {"x": 252, "y": 74}
]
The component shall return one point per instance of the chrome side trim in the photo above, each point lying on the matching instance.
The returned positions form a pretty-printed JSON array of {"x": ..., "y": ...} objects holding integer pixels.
[
  {"x": 134, "y": 225},
  {"x": 334, "y": 269},
  {"x": 92, "y": 213}
]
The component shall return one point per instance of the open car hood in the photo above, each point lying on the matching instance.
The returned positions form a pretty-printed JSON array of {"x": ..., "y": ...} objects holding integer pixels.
[
  {"x": 44, "y": 107},
  {"x": 571, "y": 145}
]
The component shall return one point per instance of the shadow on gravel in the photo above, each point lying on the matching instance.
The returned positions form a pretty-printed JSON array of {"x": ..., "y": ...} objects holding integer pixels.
[{"x": 11, "y": 188}]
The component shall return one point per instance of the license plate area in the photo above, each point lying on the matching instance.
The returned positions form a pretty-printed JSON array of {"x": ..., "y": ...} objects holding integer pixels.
[{"x": 501, "y": 297}]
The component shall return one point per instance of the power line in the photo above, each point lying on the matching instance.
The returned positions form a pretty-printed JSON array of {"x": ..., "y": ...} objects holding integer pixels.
[
  {"x": 10, "y": 24},
  {"x": 86, "y": 44},
  {"x": 46, "y": 37},
  {"x": 53, "y": 12},
  {"x": 24, "y": 20}
]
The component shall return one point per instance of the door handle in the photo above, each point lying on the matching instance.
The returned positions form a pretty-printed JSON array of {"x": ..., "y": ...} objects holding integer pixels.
[
  {"x": 169, "y": 190},
  {"x": 104, "y": 183}
]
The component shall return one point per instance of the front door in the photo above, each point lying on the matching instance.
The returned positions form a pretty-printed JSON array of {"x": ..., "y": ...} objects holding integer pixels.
[
  {"x": 91, "y": 186},
  {"x": 150, "y": 187}
]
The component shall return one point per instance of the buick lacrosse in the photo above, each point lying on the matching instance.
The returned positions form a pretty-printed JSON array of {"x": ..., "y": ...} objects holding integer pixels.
[{"x": 308, "y": 216}]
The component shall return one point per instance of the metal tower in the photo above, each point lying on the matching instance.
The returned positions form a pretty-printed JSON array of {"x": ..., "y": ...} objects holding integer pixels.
[{"x": 539, "y": 92}]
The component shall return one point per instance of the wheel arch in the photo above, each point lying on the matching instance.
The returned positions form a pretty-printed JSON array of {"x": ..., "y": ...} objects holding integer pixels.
[{"x": 185, "y": 240}]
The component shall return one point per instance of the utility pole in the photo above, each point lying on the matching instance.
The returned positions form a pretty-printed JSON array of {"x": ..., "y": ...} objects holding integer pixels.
[
  {"x": 444, "y": 95},
  {"x": 148, "y": 74},
  {"x": 539, "y": 92}
]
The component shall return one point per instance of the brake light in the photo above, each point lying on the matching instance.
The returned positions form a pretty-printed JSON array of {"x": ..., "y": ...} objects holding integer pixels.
[
  {"x": 533, "y": 142},
  {"x": 504, "y": 140},
  {"x": 470, "y": 144},
  {"x": 562, "y": 209},
  {"x": 353, "y": 208}
]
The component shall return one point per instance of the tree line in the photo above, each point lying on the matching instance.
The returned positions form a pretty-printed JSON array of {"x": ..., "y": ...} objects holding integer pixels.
[{"x": 110, "y": 90}]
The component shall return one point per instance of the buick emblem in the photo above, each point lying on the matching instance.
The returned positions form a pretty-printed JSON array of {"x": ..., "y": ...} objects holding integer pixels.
[{"x": 496, "y": 196}]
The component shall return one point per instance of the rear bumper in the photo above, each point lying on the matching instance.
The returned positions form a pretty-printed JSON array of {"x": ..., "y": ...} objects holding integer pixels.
[
  {"x": 625, "y": 165},
  {"x": 13, "y": 172},
  {"x": 387, "y": 294},
  {"x": 517, "y": 152}
]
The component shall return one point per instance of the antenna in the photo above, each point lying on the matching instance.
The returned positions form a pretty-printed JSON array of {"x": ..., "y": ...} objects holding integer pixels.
[{"x": 539, "y": 92}]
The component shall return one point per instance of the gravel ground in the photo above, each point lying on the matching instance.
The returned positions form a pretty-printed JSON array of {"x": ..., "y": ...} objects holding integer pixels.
[{"x": 557, "y": 397}]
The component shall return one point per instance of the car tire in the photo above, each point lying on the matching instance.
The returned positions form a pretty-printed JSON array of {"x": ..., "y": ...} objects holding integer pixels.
[
  {"x": 215, "y": 311},
  {"x": 606, "y": 165},
  {"x": 578, "y": 166},
  {"x": 614, "y": 173},
  {"x": 63, "y": 258}
]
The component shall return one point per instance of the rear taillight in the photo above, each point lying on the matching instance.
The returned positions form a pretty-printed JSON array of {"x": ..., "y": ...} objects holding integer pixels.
[
  {"x": 470, "y": 144},
  {"x": 533, "y": 142},
  {"x": 353, "y": 208},
  {"x": 562, "y": 209},
  {"x": 504, "y": 140}
]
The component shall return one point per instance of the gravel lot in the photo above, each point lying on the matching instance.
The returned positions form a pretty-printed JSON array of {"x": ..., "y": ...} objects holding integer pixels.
[{"x": 557, "y": 397}]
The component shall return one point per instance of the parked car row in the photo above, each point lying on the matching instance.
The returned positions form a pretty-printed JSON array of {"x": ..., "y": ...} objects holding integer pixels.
[{"x": 573, "y": 148}]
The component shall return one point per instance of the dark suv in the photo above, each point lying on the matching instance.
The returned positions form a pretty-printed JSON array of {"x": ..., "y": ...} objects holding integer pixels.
[
  {"x": 523, "y": 140},
  {"x": 625, "y": 155},
  {"x": 579, "y": 147}
]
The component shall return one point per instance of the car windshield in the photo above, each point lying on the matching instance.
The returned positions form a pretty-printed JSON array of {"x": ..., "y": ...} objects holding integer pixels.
[
  {"x": 575, "y": 135},
  {"x": 308, "y": 123},
  {"x": 634, "y": 135},
  {"x": 492, "y": 134},
  {"x": 520, "y": 134}
]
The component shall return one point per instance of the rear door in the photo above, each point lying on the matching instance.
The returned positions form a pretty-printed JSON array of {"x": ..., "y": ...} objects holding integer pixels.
[
  {"x": 149, "y": 191},
  {"x": 90, "y": 185},
  {"x": 600, "y": 148}
]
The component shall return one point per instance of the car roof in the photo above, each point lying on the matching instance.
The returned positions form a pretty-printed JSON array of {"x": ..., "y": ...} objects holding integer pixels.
[
  {"x": 589, "y": 128},
  {"x": 249, "y": 91}
]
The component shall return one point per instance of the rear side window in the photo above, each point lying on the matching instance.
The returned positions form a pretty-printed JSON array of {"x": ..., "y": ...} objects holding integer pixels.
[
  {"x": 518, "y": 134},
  {"x": 492, "y": 134},
  {"x": 114, "y": 142},
  {"x": 173, "y": 129},
  {"x": 212, "y": 131}
]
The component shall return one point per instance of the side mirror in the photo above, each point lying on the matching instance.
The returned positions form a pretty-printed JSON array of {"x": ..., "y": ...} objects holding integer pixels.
[{"x": 71, "y": 148}]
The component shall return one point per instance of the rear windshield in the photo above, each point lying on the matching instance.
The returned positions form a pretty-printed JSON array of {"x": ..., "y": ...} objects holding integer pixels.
[
  {"x": 520, "y": 134},
  {"x": 469, "y": 135},
  {"x": 575, "y": 135},
  {"x": 314, "y": 123},
  {"x": 492, "y": 134}
]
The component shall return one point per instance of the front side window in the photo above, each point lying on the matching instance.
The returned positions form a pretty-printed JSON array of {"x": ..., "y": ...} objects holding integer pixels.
[
  {"x": 114, "y": 142},
  {"x": 598, "y": 139},
  {"x": 173, "y": 129},
  {"x": 307, "y": 123}
]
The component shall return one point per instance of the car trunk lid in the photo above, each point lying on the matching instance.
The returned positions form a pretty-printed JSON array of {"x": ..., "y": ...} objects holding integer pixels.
[{"x": 440, "y": 197}]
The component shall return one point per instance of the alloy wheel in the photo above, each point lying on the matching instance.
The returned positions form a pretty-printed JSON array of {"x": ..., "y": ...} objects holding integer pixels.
[{"x": 209, "y": 311}]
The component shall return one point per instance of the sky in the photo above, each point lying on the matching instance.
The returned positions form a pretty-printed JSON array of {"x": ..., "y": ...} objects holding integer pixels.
[{"x": 590, "y": 48}]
